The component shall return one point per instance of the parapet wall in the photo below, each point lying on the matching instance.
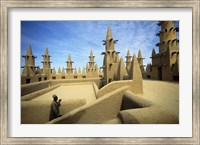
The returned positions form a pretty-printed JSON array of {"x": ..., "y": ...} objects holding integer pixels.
[
  {"x": 96, "y": 80},
  {"x": 137, "y": 110},
  {"x": 154, "y": 114},
  {"x": 133, "y": 101},
  {"x": 135, "y": 87},
  {"x": 30, "y": 88},
  {"x": 35, "y": 94}
]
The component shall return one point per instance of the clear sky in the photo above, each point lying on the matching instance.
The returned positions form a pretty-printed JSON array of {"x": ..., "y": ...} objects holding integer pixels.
[{"x": 80, "y": 37}]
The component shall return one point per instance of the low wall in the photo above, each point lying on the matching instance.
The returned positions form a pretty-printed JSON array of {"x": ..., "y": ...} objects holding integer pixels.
[
  {"x": 30, "y": 88},
  {"x": 95, "y": 80},
  {"x": 154, "y": 114},
  {"x": 132, "y": 101},
  {"x": 96, "y": 89},
  {"x": 103, "y": 109},
  {"x": 35, "y": 94},
  {"x": 146, "y": 112},
  {"x": 134, "y": 87}
]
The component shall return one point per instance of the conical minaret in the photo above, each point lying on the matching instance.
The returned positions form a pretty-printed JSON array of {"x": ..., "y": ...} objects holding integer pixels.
[
  {"x": 140, "y": 61},
  {"x": 75, "y": 71},
  {"x": 128, "y": 61},
  {"x": 153, "y": 52},
  {"x": 59, "y": 71},
  {"x": 29, "y": 67},
  {"x": 122, "y": 72},
  {"x": 69, "y": 65},
  {"x": 46, "y": 63},
  {"x": 63, "y": 72},
  {"x": 109, "y": 42},
  {"x": 111, "y": 59},
  {"x": 91, "y": 68},
  {"x": 29, "y": 58},
  {"x": 91, "y": 61}
]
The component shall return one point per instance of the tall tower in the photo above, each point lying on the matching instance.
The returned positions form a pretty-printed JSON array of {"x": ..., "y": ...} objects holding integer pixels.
[
  {"x": 128, "y": 61},
  {"x": 167, "y": 36},
  {"x": 28, "y": 72},
  {"x": 111, "y": 58},
  {"x": 46, "y": 64},
  {"x": 69, "y": 65},
  {"x": 165, "y": 63},
  {"x": 91, "y": 69},
  {"x": 140, "y": 61},
  {"x": 91, "y": 61},
  {"x": 29, "y": 58}
]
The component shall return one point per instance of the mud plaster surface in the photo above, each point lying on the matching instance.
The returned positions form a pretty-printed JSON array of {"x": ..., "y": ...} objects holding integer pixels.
[
  {"x": 165, "y": 94},
  {"x": 37, "y": 110},
  {"x": 69, "y": 93}
]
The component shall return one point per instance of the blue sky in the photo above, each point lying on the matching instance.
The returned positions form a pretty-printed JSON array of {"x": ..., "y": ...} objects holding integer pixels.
[{"x": 80, "y": 37}]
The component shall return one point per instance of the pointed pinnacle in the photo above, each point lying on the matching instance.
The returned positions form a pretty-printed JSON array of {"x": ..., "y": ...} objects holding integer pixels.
[
  {"x": 69, "y": 58},
  {"x": 46, "y": 52},
  {"x": 109, "y": 33},
  {"x": 139, "y": 54},
  {"x": 63, "y": 70},
  {"x": 59, "y": 70},
  {"x": 96, "y": 66},
  {"x": 134, "y": 56},
  {"x": 29, "y": 51},
  {"x": 128, "y": 53},
  {"x": 91, "y": 53},
  {"x": 153, "y": 52},
  {"x": 79, "y": 70},
  {"x": 83, "y": 71}
]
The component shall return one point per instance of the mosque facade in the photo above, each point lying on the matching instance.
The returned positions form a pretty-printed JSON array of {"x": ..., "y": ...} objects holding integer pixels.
[{"x": 164, "y": 65}]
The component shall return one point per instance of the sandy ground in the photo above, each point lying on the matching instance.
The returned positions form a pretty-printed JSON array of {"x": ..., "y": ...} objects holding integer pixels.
[{"x": 163, "y": 93}]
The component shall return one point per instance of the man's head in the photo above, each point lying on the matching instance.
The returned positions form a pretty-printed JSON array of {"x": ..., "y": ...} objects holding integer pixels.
[{"x": 55, "y": 98}]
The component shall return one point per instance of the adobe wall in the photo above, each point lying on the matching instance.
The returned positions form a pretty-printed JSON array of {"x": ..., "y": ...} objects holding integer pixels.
[
  {"x": 146, "y": 112},
  {"x": 154, "y": 114},
  {"x": 135, "y": 86},
  {"x": 132, "y": 101},
  {"x": 95, "y": 80},
  {"x": 103, "y": 109},
  {"x": 30, "y": 88},
  {"x": 35, "y": 94}
]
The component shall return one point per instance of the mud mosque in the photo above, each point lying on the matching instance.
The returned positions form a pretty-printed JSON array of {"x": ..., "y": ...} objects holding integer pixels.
[{"x": 114, "y": 93}]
